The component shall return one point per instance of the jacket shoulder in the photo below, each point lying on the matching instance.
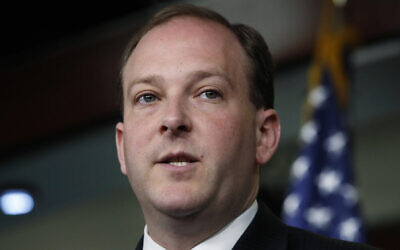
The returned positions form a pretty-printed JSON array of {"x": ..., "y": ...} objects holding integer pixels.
[{"x": 301, "y": 239}]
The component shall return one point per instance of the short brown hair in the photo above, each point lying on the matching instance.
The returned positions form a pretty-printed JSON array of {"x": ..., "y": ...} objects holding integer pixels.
[{"x": 261, "y": 72}]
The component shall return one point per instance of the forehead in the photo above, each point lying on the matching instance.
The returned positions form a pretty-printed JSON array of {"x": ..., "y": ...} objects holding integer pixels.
[
  {"x": 187, "y": 37},
  {"x": 188, "y": 29}
]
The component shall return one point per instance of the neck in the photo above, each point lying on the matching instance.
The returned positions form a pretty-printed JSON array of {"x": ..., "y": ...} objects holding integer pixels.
[
  {"x": 183, "y": 233},
  {"x": 186, "y": 232}
]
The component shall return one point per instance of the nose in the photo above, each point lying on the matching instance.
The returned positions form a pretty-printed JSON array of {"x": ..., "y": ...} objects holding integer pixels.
[{"x": 175, "y": 120}]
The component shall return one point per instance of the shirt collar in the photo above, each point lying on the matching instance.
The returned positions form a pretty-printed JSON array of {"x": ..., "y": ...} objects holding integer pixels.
[{"x": 225, "y": 238}]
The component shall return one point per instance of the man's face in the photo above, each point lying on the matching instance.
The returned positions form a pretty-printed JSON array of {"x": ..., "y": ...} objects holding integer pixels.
[{"x": 188, "y": 141}]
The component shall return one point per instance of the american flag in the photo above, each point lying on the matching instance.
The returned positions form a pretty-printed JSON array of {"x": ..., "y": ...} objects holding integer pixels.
[{"x": 322, "y": 197}]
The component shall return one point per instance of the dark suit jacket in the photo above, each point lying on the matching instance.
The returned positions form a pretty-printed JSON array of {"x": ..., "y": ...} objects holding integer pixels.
[{"x": 266, "y": 231}]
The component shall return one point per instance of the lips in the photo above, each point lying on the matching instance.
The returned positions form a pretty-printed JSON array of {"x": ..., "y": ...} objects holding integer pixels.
[{"x": 178, "y": 159}]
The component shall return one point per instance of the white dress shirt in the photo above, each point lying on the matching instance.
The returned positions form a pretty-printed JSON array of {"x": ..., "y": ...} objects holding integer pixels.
[{"x": 224, "y": 239}]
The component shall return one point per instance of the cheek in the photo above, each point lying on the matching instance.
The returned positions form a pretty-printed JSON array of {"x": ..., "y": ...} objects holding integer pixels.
[
  {"x": 227, "y": 135},
  {"x": 220, "y": 126},
  {"x": 137, "y": 137},
  {"x": 135, "y": 145},
  {"x": 231, "y": 150},
  {"x": 134, "y": 140}
]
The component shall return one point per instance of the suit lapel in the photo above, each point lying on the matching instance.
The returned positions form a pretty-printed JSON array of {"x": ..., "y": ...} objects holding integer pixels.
[
  {"x": 266, "y": 231},
  {"x": 139, "y": 245}
]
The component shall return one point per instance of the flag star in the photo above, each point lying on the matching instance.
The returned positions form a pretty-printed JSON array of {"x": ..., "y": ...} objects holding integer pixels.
[
  {"x": 328, "y": 181},
  {"x": 309, "y": 132},
  {"x": 319, "y": 217},
  {"x": 349, "y": 194},
  {"x": 349, "y": 228},
  {"x": 318, "y": 96},
  {"x": 300, "y": 167},
  {"x": 291, "y": 204},
  {"x": 336, "y": 142}
]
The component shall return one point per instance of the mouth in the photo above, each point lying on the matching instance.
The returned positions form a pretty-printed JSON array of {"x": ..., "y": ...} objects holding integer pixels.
[{"x": 178, "y": 160}]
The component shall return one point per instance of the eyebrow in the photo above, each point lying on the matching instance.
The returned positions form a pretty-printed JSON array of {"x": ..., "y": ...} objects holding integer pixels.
[
  {"x": 198, "y": 75},
  {"x": 150, "y": 79},
  {"x": 194, "y": 76}
]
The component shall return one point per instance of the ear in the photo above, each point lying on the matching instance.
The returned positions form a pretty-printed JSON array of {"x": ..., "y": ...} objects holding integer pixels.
[
  {"x": 268, "y": 134},
  {"x": 119, "y": 138}
]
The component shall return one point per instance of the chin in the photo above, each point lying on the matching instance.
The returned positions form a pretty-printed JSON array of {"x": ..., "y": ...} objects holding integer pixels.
[{"x": 179, "y": 203}]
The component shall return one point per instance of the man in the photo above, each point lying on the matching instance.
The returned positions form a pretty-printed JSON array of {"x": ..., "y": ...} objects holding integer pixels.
[{"x": 198, "y": 122}]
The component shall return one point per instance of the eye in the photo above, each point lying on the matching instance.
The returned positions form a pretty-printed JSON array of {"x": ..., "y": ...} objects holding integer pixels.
[
  {"x": 210, "y": 94},
  {"x": 146, "y": 98}
]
